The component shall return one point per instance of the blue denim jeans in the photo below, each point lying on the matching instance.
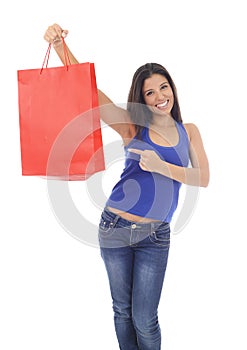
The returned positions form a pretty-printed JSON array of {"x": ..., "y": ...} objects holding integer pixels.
[{"x": 135, "y": 256}]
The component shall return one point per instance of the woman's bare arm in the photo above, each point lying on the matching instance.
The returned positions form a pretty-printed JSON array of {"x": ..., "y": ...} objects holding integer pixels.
[
  {"x": 197, "y": 175},
  {"x": 116, "y": 117}
]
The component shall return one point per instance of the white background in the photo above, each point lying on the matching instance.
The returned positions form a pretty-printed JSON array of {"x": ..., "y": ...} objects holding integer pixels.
[{"x": 54, "y": 291}]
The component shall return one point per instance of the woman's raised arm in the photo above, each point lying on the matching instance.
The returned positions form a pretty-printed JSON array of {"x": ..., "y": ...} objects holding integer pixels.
[{"x": 116, "y": 117}]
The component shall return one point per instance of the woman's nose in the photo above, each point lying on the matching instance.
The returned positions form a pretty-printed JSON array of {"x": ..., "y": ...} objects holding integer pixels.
[{"x": 160, "y": 95}]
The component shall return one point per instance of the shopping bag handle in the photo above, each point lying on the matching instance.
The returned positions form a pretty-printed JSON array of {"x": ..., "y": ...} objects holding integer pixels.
[{"x": 47, "y": 55}]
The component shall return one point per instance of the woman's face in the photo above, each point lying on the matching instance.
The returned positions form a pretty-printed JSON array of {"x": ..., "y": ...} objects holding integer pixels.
[{"x": 158, "y": 94}]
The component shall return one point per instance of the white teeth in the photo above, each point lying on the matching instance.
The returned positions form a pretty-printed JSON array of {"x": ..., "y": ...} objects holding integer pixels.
[{"x": 161, "y": 105}]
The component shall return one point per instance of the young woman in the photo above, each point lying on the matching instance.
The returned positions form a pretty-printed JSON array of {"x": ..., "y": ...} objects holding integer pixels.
[{"x": 134, "y": 230}]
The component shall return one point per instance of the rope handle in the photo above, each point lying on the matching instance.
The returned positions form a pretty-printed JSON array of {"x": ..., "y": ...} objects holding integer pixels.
[{"x": 47, "y": 56}]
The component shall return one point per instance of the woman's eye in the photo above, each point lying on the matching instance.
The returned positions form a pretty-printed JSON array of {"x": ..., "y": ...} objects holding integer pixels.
[
  {"x": 149, "y": 93},
  {"x": 163, "y": 87}
]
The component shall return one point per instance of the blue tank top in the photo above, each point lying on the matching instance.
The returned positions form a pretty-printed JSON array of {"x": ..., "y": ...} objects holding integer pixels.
[{"x": 145, "y": 193}]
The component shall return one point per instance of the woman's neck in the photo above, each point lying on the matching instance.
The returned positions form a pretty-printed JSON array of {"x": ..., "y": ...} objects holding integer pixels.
[{"x": 162, "y": 121}]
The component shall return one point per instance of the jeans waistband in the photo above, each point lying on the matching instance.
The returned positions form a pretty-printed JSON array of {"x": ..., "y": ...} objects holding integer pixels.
[{"x": 120, "y": 221}]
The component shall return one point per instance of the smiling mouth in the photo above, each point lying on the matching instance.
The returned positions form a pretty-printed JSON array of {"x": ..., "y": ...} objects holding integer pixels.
[{"x": 162, "y": 105}]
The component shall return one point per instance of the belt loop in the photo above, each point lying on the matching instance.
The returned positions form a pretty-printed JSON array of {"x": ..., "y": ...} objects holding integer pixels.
[{"x": 117, "y": 217}]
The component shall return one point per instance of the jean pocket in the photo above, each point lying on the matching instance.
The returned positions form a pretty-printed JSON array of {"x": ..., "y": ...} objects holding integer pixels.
[{"x": 161, "y": 236}]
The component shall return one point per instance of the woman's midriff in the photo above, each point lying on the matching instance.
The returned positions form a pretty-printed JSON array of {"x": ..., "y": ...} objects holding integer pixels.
[{"x": 130, "y": 217}]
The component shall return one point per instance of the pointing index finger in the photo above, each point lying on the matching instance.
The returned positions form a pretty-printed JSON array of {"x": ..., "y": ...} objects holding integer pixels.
[{"x": 136, "y": 151}]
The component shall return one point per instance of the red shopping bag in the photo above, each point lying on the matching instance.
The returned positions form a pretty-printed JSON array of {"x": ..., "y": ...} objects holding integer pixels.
[{"x": 60, "y": 131}]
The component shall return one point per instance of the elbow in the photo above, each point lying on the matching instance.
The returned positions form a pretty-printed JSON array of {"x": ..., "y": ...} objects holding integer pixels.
[
  {"x": 205, "y": 176},
  {"x": 204, "y": 184}
]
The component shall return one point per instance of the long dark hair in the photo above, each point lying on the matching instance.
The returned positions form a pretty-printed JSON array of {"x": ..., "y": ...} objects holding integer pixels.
[{"x": 139, "y": 112}]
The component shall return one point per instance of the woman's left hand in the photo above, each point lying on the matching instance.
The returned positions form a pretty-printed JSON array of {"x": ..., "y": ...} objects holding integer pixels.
[{"x": 149, "y": 160}]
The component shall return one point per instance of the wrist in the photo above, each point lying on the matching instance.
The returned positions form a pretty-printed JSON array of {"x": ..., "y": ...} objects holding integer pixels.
[
  {"x": 164, "y": 168},
  {"x": 57, "y": 44}
]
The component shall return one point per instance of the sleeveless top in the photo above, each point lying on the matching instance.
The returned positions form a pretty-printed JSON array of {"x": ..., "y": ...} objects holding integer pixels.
[{"x": 149, "y": 194}]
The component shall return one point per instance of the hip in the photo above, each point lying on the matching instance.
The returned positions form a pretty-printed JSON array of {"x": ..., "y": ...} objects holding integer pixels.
[{"x": 115, "y": 231}]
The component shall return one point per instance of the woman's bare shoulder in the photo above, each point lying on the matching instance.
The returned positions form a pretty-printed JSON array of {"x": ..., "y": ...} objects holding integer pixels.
[{"x": 191, "y": 129}]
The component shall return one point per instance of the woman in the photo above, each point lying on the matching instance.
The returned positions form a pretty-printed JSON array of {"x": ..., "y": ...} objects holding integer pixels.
[{"x": 134, "y": 230}]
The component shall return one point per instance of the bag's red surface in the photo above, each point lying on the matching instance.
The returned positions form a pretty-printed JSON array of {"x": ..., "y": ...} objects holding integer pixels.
[{"x": 60, "y": 130}]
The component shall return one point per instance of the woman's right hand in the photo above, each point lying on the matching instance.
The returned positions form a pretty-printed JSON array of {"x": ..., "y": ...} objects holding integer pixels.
[{"x": 54, "y": 34}]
